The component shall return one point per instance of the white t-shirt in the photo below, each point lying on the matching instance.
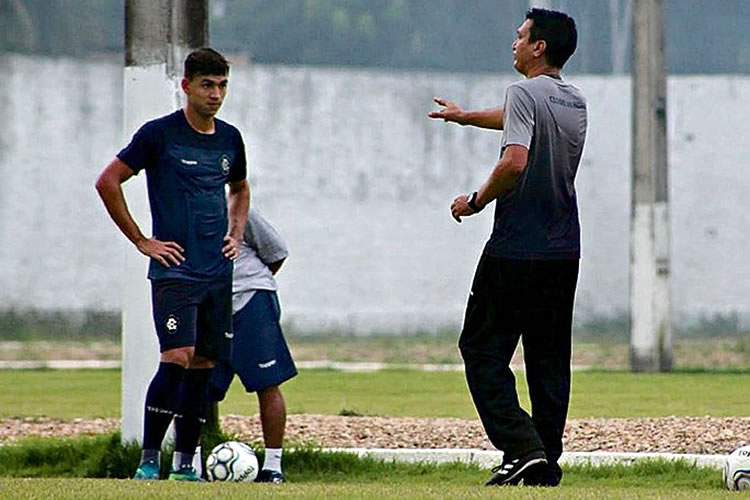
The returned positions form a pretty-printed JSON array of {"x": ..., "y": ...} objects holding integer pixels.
[{"x": 261, "y": 245}]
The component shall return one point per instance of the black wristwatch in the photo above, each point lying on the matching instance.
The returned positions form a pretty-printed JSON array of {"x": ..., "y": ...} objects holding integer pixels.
[{"x": 472, "y": 202}]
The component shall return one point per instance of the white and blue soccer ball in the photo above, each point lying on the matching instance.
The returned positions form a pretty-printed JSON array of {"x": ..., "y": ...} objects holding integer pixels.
[
  {"x": 737, "y": 470},
  {"x": 232, "y": 461}
]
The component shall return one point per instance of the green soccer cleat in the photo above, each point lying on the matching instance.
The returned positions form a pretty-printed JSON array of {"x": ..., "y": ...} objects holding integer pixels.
[
  {"x": 148, "y": 470},
  {"x": 185, "y": 473}
]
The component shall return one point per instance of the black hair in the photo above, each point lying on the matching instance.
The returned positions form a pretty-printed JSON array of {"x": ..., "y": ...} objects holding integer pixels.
[
  {"x": 558, "y": 30},
  {"x": 205, "y": 61}
]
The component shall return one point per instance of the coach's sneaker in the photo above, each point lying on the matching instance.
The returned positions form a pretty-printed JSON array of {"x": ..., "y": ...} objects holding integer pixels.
[
  {"x": 510, "y": 472},
  {"x": 270, "y": 476},
  {"x": 544, "y": 475},
  {"x": 185, "y": 473},
  {"x": 147, "y": 470}
]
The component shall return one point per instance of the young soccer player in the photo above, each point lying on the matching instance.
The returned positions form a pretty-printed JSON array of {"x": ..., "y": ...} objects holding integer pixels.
[{"x": 189, "y": 156}]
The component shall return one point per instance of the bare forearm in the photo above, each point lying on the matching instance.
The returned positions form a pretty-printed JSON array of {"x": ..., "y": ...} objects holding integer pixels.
[
  {"x": 500, "y": 181},
  {"x": 504, "y": 176},
  {"x": 114, "y": 201},
  {"x": 238, "y": 205},
  {"x": 452, "y": 112},
  {"x": 486, "y": 118}
]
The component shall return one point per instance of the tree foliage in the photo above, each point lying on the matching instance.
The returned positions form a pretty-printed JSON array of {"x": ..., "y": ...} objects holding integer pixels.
[{"x": 454, "y": 35}]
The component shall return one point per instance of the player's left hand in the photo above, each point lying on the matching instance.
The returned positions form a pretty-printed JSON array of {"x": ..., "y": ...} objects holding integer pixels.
[
  {"x": 231, "y": 249},
  {"x": 460, "y": 207}
]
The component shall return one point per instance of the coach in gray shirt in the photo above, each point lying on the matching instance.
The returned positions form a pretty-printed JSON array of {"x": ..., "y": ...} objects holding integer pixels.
[{"x": 525, "y": 282}]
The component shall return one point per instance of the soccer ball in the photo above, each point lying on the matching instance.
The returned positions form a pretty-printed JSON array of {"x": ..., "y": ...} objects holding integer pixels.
[
  {"x": 232, "y": 461},
  {"x": 737, "y": 469}
]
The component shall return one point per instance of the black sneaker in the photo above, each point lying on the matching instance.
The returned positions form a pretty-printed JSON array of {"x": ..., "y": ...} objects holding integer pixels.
[
  {"x": 270, "y": 476},
  {"x": 543, "y": 475},
  {"x": 510, "y": 472}
]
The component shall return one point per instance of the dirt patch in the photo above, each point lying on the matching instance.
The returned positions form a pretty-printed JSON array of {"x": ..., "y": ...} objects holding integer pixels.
[
  {"x": 63, "y": 350},
  {"x": 708, "y": 354},
  {"x": 706, "y": 435}
]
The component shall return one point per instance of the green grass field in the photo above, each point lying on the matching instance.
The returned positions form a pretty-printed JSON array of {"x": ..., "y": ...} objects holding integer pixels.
[
  {"x": 68, "y": 394},
  {"x": 609, "y": 352},
  {"x": 124, "y": 489},
  {"x": 436, "y": 489},
  {"x": 316, "y": 474}
]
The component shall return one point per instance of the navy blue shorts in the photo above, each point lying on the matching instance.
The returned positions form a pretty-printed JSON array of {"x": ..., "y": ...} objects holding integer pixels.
[
  {"x": 260, "y": 355},
  {"x": 194, "y": 313}
]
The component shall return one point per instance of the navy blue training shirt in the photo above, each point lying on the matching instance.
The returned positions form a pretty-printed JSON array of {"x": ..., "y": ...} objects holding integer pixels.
[{"x": 186, "y": 173}]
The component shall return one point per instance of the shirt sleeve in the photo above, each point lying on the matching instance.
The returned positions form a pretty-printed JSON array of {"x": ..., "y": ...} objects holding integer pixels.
[
  {"x": 262, "y": 237},
  {"x": 519, "y": 117},
  {"x": 238, "y": 170},
  {"x": 143, "y": 150}
]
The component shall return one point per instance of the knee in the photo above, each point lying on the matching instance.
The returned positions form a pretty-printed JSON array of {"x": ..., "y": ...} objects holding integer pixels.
[
  {"x": 199, "y": 362},
  {"x": 270, "y": 395},
  {"x": 182, "y": 356},
  {"x": 269, "y": 391},
  {"x": 469, "y": 350}
]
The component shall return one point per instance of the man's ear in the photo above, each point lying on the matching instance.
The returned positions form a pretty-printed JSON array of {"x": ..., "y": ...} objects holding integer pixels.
[
  {"x": 540, "y": 47},
  {"x": 185, "y": 83}
]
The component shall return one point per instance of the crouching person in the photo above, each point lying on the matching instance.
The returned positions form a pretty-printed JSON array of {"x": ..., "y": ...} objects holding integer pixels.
[{"x": 260, "y": 355}]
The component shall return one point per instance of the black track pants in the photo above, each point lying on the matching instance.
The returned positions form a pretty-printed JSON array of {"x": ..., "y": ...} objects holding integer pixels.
[{"x": 531, "y": 300}]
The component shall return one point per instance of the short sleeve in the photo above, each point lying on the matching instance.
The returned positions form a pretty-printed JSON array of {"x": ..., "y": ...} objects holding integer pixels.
[
  {"x": 143, "y": 150},
  {"x": 518, "y": 119},
  {"x": 262, "y": 237},
  {"x": 238, "y": 170}
]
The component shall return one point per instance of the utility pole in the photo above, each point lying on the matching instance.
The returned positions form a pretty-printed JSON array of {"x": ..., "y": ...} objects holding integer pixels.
[
  {"x": 158, "y": 35},
  {"x": 620, "y": 21},
  {"x": 650, "y": 304}
]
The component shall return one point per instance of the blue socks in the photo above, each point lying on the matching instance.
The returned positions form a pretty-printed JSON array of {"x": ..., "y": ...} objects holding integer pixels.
[
  {"x": 192, "y": 415},
  {"x": 161, "y": 404}
]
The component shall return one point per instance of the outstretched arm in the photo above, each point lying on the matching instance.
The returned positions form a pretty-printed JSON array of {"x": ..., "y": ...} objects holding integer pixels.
[
  {"x": 109, "y": 186},
  {"x": 452, "y": 112}
]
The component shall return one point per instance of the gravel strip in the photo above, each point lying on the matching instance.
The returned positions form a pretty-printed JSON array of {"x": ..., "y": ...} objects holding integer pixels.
[{"x": 703, "y": 435}]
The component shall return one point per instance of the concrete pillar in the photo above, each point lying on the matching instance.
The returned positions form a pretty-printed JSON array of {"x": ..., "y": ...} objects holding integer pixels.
[
  {"x": 158, "y": 35},
  {"x": 650, "y": 305}
]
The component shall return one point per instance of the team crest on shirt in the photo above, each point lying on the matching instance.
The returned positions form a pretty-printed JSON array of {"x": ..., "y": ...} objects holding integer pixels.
[
  {"x": 225, "y": 163},
  {"x": 172, "y": 323}
]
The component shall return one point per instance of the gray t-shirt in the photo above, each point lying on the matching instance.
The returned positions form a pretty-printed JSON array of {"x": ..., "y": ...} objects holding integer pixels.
[
  {"x": 261, "y": 245},
  {"x": 538, "y": 217}
]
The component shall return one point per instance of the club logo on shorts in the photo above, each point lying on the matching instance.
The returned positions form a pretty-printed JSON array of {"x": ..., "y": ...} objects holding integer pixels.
[
  {"x": 172, "y": 323},
  {"x": 225, "y": 164},
  {"x": 229, "y": 335}
]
